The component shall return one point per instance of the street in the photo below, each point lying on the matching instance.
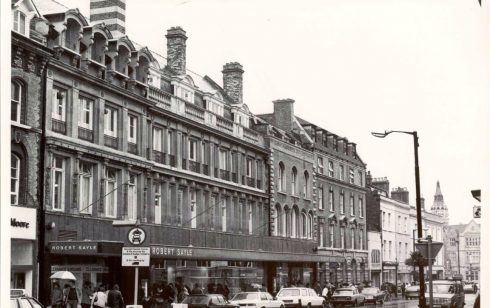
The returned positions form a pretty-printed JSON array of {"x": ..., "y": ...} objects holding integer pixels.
[{"x": 402, "y": 303}]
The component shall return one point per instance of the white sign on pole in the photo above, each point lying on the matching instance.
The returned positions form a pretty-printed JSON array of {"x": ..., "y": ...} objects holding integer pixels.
[{"x": 136, "y": 256}]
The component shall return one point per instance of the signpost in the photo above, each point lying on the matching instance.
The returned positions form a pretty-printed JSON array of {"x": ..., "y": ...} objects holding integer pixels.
[{"x": 429, "y": 250}]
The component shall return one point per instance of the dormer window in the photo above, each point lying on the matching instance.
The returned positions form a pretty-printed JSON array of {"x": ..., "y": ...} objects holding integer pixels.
[
  {"x": 185, "y": 94},
  {"x": 72, "y": 34},
  {"x": 122, "y": 60},
  {"x": 98, "y": 48},
  {"x": 143, "y": 70},
  {"x": 20, "y": 22}
]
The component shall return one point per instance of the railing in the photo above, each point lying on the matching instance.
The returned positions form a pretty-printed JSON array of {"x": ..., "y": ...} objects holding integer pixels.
[
  {"x": 58, "y": 126},
  {"x": 224, "y": 124},
  {"x": 162, "y": 98},
  {"x": 171, "y": 160},
  {"x": 194, "y": 112},
  {"x": 250, "y": 182},
  {"x": 159, "y": 157},
  {"x": 205, "y": 169},
  {"x": 85, "y": 134},
  {"x": 132, "y": 148},
  {"x": 110, "y": 141},
  {"x": 194, "y": 166},
  {"x": 224, "y": 174}
]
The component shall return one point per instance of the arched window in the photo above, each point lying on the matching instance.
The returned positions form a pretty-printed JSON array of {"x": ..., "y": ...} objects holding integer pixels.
[
  {"x": 310, "y": 225},
  {"x": 98, "y": 48},
  {"x": 304, "y": 225},
  {"x": 278, "y": 221},
  {"x": 294, "y": 222},
  {"x": 306, "y": 185},
  {"x": 16, "y": 100},
  {"x": 143, "y": 69},
  {"x": 294, "y": 182},
  {"x": 14, "y": 179},
  {"x": 287, "y": 221},
  {"x": 122, "y": 60},
  {"x": 281, "y": 178}
]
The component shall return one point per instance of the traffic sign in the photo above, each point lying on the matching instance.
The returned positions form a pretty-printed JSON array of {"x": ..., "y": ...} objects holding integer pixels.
[
  {"x": 423, "y": 248},
  {"x": 477, "y": 211},
  {"x": 136, "y": 256},
  {"x": 136, "y": 236}
]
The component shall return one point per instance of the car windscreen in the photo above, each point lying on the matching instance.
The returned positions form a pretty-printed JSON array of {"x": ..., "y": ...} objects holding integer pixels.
[
  {"x": 199, "y": 300},
  {"x": 244, "y": 296},
  {"x": 288, "y": 292},
  {"x": 343, "y": 292},
  {"x": 441, "y": 288},
  {"x": 369, "y": 290}
]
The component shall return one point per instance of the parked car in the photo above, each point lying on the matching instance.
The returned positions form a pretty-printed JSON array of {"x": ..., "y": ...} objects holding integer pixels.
[
  {"x": 20, "y": 299},
  {"x": 347, "y": 296},
  {"x": 412, "y": 292},
  {"x": 446, "y": 294},
  {"x": 374, "y": 295},
  {"x": 256, "y": 299},
  {"x": 208, "y": 301},
  {"x": 300, "y": 297}
]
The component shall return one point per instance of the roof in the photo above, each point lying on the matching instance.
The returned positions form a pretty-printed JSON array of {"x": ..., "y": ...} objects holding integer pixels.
[{"x": 47, "y": 7}]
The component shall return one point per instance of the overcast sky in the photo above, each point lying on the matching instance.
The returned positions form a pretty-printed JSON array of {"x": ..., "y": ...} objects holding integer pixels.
[{"x": 353, "y": 67}]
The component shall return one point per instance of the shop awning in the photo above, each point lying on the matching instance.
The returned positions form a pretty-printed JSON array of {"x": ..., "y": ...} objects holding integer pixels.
[
  {"x": 203, "y": 253},
  {"x": 93, "y": 248}
]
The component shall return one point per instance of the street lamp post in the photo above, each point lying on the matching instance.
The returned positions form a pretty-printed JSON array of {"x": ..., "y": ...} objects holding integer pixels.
[
  {"x": 459, "y": 268},
  {"x": 422, "y": 302}
]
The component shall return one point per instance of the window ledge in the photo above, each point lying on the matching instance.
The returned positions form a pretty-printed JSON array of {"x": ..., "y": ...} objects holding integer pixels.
[{"x": 282, "y": 193}]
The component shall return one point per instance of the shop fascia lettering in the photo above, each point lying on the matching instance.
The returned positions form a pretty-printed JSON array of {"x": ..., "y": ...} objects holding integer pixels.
[
  {"x": 171, "y": 251},
  {"x": 74, "y": 247}
]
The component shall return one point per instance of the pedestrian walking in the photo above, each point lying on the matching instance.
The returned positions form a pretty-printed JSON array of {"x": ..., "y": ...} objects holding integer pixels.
[
  {"x": 87, "y": 294},
  {"x": 196, "y": 289},
  {"x": 115, "y": 298},
  {"x": 158, "y": 299},
  {"x": 100, "y": 298},
  {"x": 182, "y": 294},
  {"x": 56, "y": 296},
  {"x": 72, "y": 295}
]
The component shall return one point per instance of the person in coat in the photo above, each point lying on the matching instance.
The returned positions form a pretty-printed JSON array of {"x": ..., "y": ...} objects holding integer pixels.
[
  {"x": 56, "y": 296},
  {"x": 115, "y": 298},
  {"x": 86, "y": 294},
  {"x": 71, "y": 295}
]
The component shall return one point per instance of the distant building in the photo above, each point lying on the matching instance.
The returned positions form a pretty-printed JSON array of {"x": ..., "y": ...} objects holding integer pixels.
[
  {"x": 462, "y": 250},
  {"x": 395, "y": 221}
]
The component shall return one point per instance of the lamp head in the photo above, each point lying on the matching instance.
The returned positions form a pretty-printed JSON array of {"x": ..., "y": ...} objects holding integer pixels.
[{"x": 380, "y": 135}]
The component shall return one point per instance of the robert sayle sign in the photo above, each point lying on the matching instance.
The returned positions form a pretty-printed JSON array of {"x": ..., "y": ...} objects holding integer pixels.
[{"x": 136, "y": 256}]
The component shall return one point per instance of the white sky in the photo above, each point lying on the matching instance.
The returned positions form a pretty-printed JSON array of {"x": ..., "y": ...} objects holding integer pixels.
[{"x": 354, "y": 67}]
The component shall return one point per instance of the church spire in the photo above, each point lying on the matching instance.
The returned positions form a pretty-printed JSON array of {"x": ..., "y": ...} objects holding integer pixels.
[{"x": 439, "y": 207}]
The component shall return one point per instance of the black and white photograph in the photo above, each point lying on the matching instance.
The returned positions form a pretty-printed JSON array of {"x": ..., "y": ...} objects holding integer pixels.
[{"x": 244, "y": 153}]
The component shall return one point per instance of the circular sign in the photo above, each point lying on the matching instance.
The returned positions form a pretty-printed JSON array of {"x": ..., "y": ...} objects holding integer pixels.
[{"x": 136, "y": 236}]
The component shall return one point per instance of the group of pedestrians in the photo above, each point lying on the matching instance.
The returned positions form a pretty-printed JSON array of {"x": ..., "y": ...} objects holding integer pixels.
[{"x": 72, "y": 297}]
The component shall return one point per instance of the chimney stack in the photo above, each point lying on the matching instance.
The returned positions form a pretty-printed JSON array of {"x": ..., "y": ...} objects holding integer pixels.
[
  {"x": 400, "y": 194},
  {"x": 284, "y": 114},
  {"x": 110, "y": 12},
  {"x": 381, "y": 183},
  {"x": 233, "y": 81},
  {"x": 176, "y": 39}
]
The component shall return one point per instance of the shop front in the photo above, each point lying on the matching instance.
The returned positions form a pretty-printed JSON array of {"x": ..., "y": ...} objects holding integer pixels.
[
  {"x": 23, "y": 273},
  {"x": 97, "y": 262},
  {"x": 235, "y": 271}
]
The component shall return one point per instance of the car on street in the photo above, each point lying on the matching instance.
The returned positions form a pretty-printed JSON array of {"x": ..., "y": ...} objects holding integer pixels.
[
  {"x": 20, "y": 299},
  {"x": 300, "y": 297},
  {"x": 256, "y": 299},
  {"x": 374, "y": 295},
  {"x": 446, "y": 294},
  {"x": 347, "y": 296},
  {"x": 412, "y": 292},
  {"x": 208, "y": 301}
]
